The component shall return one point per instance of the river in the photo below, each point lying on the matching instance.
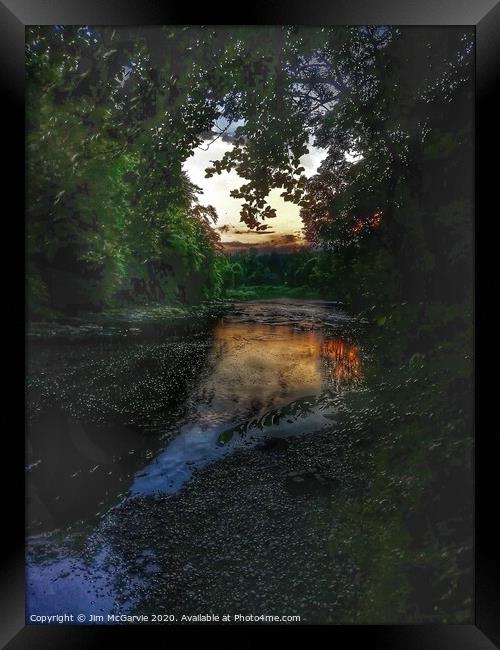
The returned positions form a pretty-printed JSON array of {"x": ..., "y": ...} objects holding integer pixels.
[{"x": 115, "y": 425}]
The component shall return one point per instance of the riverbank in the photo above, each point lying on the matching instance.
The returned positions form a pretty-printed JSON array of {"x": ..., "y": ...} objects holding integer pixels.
[
  {"x": 269, "y": 292},
  {"x": 142, "y": 322}
]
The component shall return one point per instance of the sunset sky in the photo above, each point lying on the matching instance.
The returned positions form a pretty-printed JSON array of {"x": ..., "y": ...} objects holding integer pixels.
[{"x": 216, "y": 192}]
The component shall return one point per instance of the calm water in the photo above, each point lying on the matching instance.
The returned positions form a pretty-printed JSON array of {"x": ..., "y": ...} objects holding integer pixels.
[{"x": 259, "y": 375}]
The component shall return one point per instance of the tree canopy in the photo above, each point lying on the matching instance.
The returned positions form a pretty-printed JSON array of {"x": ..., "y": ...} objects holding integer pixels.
[{"x": 112, "y": 115}]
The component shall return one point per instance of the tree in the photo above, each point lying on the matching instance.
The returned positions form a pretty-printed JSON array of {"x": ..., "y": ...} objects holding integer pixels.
[{"x": 113, "y": 113}]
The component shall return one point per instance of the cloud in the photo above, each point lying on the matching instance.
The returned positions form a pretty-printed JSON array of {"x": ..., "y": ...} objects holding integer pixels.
[
  {"x": 282, "y": 243},
  {"x": 216, "y": 190},
  {"x": 313, "y": 159}
]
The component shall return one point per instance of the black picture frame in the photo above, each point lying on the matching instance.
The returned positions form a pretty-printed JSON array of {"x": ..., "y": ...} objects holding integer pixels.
[{"x": 14, "y": 16}]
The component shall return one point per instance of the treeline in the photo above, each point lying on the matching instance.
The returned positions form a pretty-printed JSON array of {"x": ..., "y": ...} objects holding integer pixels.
[
  {"x": 254, "y": 268},
  {"x": 310, "y": 272}
]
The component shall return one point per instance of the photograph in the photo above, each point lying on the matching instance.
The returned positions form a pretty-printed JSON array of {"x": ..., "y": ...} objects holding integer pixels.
[{"x": 249, "y": 299}]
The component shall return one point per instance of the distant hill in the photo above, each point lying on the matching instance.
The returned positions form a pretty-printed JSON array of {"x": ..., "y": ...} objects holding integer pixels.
[{"x": 234, "y": 247}]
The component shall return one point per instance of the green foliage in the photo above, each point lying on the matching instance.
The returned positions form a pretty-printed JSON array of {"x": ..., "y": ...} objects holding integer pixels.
[
  {"x": 284, "y": 274},
  {"x": 111, "y": 217},
  {"x": 267, "y": 292},
  {"x": 410, "y": 531}
]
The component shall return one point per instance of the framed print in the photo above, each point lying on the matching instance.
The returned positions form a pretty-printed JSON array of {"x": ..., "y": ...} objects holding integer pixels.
[{"x": 248, "y": 289}]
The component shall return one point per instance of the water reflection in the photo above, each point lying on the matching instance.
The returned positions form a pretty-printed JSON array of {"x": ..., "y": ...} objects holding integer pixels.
[
  {"x": 262, "y": 366},
  {"x": 264, "y": 381},
  {"x": 191, "y": 389},
  {"x": 341, "y": 363},
  {"x": 259, "y": 366}
]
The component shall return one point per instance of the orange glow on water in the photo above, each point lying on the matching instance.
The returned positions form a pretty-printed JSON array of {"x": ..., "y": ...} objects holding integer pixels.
[
  {"x": 265, "y": 365},
  {"x": 341, "y": 362}
]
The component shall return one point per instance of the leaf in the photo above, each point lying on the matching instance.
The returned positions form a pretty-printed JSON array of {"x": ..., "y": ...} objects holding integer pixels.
[{"x": 59, "y": 196}]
